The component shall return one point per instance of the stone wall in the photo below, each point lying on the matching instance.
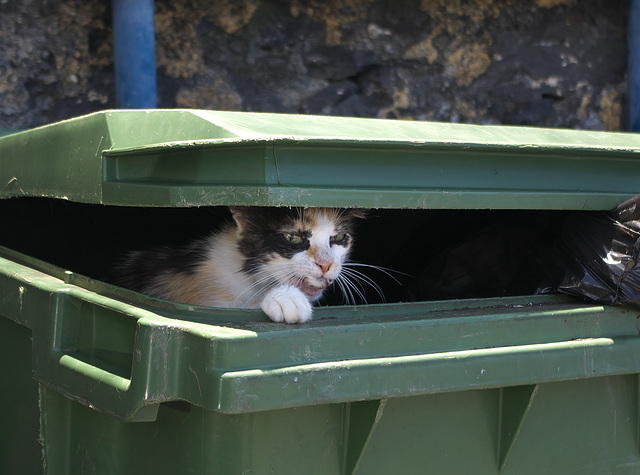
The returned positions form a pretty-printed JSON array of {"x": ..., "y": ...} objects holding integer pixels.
[{"x": 556, "y": 63}]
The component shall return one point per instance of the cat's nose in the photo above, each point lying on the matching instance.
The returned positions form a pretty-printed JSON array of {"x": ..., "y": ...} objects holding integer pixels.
[{"x": 324, "y": 265}]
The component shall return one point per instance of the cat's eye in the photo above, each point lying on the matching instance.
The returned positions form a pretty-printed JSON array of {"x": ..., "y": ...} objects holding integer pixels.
[
  {"x": 339, "y": 238},
  {"x": 293, "y": 238}
]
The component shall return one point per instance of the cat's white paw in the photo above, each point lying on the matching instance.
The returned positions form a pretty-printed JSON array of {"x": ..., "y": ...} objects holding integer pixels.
[{"x": 288, "y": 304}]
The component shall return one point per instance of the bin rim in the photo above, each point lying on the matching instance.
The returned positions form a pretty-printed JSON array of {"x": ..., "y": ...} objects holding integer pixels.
[{"x": 257, "y": 366}]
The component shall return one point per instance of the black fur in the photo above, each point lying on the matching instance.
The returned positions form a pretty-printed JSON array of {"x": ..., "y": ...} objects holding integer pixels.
[
  {"x": 262, "y": 235},
  {"x": 139, "y": 268}
]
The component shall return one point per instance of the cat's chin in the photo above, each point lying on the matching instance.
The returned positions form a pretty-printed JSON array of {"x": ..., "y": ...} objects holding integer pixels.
[{"x": 312, "y": 292}]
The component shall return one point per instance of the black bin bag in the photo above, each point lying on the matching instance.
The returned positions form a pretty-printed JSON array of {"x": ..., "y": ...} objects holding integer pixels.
[{"x": 596, "y": 256}]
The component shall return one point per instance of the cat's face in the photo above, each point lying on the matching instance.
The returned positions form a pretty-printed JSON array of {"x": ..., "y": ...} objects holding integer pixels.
[{"x": 305, "y": 248}]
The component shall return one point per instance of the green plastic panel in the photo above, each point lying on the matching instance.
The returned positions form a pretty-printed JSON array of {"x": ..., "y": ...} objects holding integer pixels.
[
  {"x": 571, "y": 428},
  {"x": 201, "y": 158}
]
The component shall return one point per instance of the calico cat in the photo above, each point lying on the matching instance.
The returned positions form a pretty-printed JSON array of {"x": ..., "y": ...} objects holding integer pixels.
[{"x": 278, "y": 259}]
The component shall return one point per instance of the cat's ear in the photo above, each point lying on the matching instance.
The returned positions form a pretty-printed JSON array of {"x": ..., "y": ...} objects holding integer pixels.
[
  {"x": 357, "y": 213},
  {"x": 241, "y": 215}
]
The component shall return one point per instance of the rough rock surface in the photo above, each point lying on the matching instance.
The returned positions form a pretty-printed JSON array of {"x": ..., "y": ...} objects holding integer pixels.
[{"x": 557, "y": 63}]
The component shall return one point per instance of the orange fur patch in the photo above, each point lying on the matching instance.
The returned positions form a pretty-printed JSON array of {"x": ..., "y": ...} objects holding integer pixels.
[{"x": 195, "y": 289}]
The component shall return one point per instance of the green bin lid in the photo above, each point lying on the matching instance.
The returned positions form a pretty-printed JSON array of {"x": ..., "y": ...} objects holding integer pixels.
[{"x": 175, "y": 158}]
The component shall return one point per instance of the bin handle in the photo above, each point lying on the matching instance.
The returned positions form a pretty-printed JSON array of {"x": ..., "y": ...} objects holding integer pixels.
[
  {"x": 90, "y": 344},
  {"x": 97, "y": 373}
]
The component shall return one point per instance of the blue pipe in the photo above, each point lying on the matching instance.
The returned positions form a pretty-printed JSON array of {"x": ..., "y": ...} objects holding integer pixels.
[
  {"x": 633, "y": 67},
  {"x": 134, "y": 54}
]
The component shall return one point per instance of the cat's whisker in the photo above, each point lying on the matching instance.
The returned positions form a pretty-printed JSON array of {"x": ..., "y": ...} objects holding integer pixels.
[
  {"x": 350, "y": 287},
  {"x": 271, "y": 279},
  {"x": 358, "y": 284},
  {"x": 363, "y": 278},
  {"x": 259, "y": 293},
  {"x": 264, "y": 276},
  {"x": 384, "y": 270},
  {"x": 346, "y": 293},
  {"x": 360, "y": 292}
]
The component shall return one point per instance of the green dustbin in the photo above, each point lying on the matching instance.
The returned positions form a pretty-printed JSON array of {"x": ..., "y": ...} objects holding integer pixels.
[{"x": 96, "y": 379}]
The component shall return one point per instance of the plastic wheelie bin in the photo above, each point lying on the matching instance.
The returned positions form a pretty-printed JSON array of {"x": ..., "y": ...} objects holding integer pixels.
[{"x": 99, "y": 379}]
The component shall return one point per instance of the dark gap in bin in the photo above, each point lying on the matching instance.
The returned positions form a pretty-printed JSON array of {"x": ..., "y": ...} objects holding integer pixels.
[
  {"x": 458, "y": 254},
  {"x": 431, "y": 254}
]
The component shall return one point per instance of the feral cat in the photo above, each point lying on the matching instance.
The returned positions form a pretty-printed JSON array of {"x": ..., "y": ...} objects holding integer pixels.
[{"x": 278, "y": 259}]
